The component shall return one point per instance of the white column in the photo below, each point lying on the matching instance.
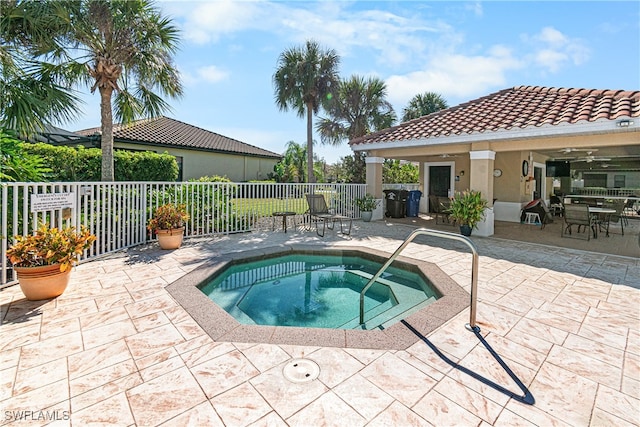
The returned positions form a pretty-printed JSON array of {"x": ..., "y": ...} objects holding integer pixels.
[
  {"x": 481, "y": 179},
  {"x": 374, "y": 183}
]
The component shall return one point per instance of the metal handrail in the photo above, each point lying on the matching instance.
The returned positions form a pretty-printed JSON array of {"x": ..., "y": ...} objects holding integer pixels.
[{"x": 444, "y": 234}]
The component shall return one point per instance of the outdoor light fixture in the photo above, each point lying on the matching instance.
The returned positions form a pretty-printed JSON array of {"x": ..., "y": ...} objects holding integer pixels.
[
  {"x": 625, "y": 123},
  {"x": 461, "y": 173}
]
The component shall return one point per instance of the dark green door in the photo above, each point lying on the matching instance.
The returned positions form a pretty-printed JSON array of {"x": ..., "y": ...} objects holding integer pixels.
[{"x": 439, "y": 180}]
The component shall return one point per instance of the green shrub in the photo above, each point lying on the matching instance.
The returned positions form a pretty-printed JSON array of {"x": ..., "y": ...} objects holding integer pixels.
[
  {"x": 467, "y": 207},
  {"x": 145, "y": 166},
  {"x": 70, "y": 164},
  {"x": 214, "y": 178},
  {"x": 15, "y": 163}
]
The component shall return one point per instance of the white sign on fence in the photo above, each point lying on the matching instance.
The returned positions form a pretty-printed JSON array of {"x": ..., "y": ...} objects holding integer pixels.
[{"x": 52, "y": 201}]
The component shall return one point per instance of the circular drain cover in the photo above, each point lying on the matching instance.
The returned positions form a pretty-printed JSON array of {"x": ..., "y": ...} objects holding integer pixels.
[{"x": 301, "y": 370}]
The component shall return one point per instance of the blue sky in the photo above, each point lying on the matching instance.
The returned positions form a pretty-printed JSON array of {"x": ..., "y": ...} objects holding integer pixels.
[{"x": 460, "y": 50}]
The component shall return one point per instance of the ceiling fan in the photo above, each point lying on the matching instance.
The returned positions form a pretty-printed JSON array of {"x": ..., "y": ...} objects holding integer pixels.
[
  {"x": 573, "y": 150},
  {"x": 590, "y": 158}
]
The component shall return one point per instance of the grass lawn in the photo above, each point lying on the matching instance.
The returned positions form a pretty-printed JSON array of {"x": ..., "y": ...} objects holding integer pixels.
[{"x": 265, "y": 207}]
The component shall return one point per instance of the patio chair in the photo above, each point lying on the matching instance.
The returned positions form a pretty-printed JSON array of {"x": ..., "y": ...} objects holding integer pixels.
[
  {"x": 440, "y": 208},
  {"x": 320, "y": 212},
  {"x": 555, "y": 206},
  {"x": 618, "y": 216},
  {"x": 628, "y": 210},
  {"x": 578, "y": 214}
]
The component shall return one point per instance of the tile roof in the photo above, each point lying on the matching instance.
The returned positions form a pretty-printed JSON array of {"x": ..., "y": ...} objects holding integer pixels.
[
  {"x": 517, "y": 107},
  {"x": 169, "y": 132}
]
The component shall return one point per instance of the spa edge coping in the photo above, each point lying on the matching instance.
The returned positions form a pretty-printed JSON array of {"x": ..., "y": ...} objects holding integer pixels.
[{"x": 222, "y": 327}]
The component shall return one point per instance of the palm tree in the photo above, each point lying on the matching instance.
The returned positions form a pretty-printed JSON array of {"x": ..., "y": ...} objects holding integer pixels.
[
  {"x": 423, "y": 104},
  {"x": 293, "y": 162},
  {"x": 304, "y": 78},
  {"x": 34, "y": 92},
  {"x": 120, "y": 46},
  {"x": 125, "y": 47},
  {"x": 360, "y": 107}
]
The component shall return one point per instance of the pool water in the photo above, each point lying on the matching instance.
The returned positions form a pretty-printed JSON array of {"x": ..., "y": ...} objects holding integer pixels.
[{"x": 318, "y": 291}]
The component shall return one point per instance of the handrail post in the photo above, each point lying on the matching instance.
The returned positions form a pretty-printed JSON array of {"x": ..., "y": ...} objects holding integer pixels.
[{"x": 436, "y": 233}]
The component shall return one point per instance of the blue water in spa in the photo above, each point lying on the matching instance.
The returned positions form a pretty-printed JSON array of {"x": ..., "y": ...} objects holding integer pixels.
[{"x": 317, "y": 291}]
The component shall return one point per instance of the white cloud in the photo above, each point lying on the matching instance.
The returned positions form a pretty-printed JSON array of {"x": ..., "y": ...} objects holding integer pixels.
[
  {"x": 476, "y": 8},
  {"x": 455, "y": 75},
  {"x": 554, "y": 50},
  {"x": 207, "y": 21},
  {"x": 212, "y": 74},
  {"x": 206, "y": 74},
  {"x": 550, "y": 59},
  {"x": 552, "y": 37},
  {"x": 396, "y": 39}
]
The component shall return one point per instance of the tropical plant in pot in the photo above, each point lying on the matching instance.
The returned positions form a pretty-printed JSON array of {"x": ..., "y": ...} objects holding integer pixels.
[
  {"x": 366, "y": 204},
  {"x": 43, "y": 260},
  {"x": 168, "y": 223},
  {"x": 467, "y": 208}
]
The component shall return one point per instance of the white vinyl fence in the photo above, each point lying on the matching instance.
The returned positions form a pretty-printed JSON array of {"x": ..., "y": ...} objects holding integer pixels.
[
  {"x": 117, "y": 212},
  {"x": 614, "y": 192},
  {"x": 408, "y": 187}
]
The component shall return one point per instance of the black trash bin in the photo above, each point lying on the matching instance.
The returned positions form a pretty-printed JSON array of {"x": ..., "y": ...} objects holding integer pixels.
[
  {"x": 396, "y": 203},
  {"x": 413, "y": 202}
]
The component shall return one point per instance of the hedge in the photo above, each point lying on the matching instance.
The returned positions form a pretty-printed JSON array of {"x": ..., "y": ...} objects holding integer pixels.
[{"x": 70, "y": 164}]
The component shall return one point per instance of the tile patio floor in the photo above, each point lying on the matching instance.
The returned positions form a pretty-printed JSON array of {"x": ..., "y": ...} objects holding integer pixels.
[{"x": 115, "y": 349}]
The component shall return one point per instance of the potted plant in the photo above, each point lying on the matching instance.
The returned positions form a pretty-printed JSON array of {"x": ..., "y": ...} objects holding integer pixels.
[
  {"x": 467, "y": 208},
  {"x": 366, "y": 205},
  {"x": 43, "y": 260},
  {"x": 168, "y": 223}
]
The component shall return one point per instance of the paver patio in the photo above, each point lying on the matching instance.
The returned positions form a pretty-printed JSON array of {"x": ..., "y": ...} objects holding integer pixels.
[{"x": 116, "y": 349}]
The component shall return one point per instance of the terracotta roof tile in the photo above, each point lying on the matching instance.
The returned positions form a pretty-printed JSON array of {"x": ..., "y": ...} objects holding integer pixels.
[
  {"x": 174, "y": 133},
  {"x": 517, "y": 107}
]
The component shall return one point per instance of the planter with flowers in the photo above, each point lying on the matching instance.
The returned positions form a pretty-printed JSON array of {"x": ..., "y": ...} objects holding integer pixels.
[
  {"x": 168, "y": 223},
  {"x": 467, "y": 208},
  {"x": 43, "y": 260}
]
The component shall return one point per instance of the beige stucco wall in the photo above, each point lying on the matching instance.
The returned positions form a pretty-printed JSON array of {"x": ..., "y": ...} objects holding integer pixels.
[
  {"x": 463, "y": 166},
  {"x": 511, "y": 186},
  {"x": 508, "y": 187},
  {"x": 196, "y": 164}
]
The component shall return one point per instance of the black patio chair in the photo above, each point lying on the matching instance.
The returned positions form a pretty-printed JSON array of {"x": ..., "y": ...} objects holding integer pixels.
[{"x": 439, "y": 206}]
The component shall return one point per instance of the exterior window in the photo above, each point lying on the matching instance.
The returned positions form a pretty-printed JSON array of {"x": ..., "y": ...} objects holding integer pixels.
[
  {"x": 595, "y": 180},
  {"x": 618, "y": 181}
]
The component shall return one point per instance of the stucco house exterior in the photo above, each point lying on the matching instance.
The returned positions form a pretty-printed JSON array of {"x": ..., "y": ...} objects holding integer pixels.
[
  {"x": 199, "y": 152},
  {"x": 499, "y": 144}
]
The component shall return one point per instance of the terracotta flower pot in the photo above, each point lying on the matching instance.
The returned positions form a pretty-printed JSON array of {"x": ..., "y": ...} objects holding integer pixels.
[
  {"x": 170, "y": 239},
  {"x": 43, "y": 282}
]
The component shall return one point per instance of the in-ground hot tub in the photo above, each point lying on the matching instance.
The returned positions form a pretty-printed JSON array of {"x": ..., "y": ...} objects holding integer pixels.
[
  {"x": 310, "y": 295},
  {"x": 318, "y": 290}
]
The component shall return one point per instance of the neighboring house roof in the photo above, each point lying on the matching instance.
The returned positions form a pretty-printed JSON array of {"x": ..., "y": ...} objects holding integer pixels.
[
  {"x": 167, "y": 132},
  {"x": 58, "y": 136},
  {"x": 509, "y": 109}
]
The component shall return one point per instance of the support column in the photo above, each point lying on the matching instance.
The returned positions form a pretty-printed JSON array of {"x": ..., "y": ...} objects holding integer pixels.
[
  {"x": 424, "y": 199},
  {"x": 481, "y": 179},
  {"x": 374, "y": 183}
]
